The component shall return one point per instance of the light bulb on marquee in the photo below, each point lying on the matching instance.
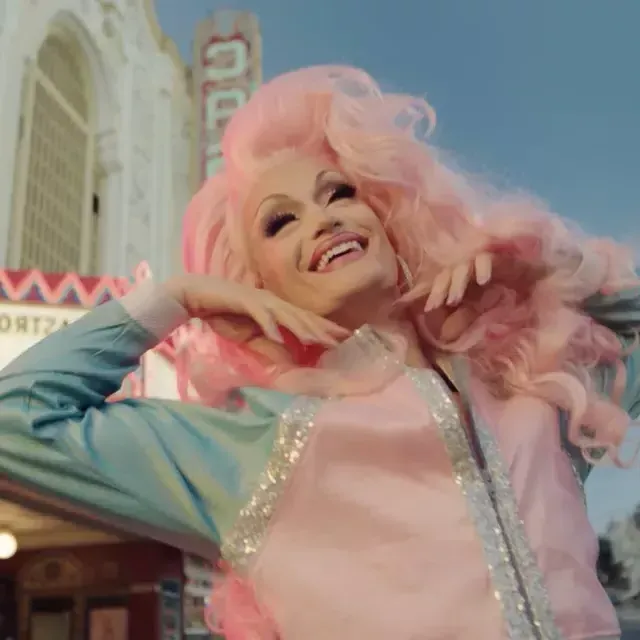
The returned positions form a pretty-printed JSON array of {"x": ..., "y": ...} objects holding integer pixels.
[{"x": 8, "y": 545}]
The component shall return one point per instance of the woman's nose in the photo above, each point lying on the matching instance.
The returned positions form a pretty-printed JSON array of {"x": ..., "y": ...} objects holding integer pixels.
[{"x": 326, "y": 225}]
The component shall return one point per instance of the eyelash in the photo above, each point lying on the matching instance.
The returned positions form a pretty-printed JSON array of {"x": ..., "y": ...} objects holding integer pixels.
[
  {"x": 279, "y": 220},
  {"x": 342, "y": 191}
]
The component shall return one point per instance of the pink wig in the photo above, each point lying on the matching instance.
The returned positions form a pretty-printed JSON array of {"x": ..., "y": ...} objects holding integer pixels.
[{"x": 526, "y": 335}]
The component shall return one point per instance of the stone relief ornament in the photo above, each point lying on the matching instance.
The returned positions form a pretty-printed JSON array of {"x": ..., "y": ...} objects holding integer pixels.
[
  {"x": 133, "y": 257},
  {"x": 142, "y": 107}
]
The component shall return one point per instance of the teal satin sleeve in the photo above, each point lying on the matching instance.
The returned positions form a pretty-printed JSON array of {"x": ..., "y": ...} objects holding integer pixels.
[
  {"x": 183, "y": 470},
  {"x": 619, "y": 312}
]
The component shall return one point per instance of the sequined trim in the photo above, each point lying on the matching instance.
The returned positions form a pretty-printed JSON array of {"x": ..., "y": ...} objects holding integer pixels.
[
  {"x": 517, "y": 581},
  {"x": 473, "y": 484},
  {"x": 577, "y": 476},
  {"x": 246, "y": 537},
  {"x": 514, "y": 530}
]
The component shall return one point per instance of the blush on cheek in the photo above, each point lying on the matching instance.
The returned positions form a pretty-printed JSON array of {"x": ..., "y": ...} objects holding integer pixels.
[{"x": 273, "y": 273}]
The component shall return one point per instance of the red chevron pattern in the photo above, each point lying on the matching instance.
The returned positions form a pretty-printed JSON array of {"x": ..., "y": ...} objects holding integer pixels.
[{"x": 62, "y": 289}]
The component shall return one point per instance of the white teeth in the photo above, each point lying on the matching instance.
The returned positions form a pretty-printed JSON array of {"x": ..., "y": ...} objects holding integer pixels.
[{"x": 339, "y": 249}]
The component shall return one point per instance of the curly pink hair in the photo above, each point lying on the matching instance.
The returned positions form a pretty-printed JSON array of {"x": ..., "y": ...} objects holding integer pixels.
[{"x": 536, "y": 342}]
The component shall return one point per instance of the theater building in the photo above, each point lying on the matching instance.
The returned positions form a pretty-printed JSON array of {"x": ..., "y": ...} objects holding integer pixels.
[
  {"x": 106, "y": 134},
  {"x": 65, "y": 574},
  {"x": 96, "y": 126}
]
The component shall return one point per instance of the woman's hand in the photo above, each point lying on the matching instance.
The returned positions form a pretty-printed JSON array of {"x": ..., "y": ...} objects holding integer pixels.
[
  {"x": 500, "y": 264},
  {"x": 512, "y": 262},
  {"x": 242, "y": 313},
  {"x": 451, "y": 284}
]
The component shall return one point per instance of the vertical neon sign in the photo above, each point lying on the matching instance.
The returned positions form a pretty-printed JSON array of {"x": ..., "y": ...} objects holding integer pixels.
[{"x": 228, "y": 67}]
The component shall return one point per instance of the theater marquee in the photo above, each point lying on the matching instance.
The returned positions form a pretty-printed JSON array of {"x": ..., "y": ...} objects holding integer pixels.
[
  {"x": 34, "y": 305},
  {"x": 27, "y": 321}
]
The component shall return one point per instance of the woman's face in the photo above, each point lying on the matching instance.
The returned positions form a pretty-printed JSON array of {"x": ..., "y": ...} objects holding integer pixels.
[{"x": 316, "y": 244}]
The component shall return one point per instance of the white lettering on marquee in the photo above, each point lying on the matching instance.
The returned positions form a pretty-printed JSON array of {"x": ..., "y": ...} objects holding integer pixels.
[{"x": 30, "y": 325}]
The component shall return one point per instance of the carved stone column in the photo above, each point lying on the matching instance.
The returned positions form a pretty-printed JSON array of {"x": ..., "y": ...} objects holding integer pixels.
[
  {"x": 162, "y": 248},
  {"x": 111, "y": 193},
  {"x": 13, "y": 70}
]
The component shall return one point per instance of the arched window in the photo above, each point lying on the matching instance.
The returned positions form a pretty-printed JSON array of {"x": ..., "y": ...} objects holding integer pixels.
[{"x": 57, "y": 209}]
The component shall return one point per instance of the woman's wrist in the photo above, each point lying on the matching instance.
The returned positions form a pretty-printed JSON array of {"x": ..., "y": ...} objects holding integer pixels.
[
  {"x": 156, "y": 307},
  {"x": 174, "y": 288}
]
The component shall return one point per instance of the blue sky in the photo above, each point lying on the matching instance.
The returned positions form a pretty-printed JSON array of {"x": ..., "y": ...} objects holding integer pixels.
[{"x": 541, "y": 95}]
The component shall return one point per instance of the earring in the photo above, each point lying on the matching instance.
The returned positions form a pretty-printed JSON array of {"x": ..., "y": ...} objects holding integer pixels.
[{"x": 406, "y": 273}]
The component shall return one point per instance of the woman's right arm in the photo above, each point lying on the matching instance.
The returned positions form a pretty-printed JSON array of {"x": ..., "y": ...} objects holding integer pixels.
[{"x": 175, "y": 467}]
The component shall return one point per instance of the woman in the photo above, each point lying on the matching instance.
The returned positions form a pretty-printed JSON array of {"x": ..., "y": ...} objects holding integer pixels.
[{"x": 417, "y": 378}]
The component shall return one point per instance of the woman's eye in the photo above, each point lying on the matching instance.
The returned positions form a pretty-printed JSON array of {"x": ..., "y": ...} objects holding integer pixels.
[
  {"x": 277, "y": 222},
  {"x": 342, "y": 192}
]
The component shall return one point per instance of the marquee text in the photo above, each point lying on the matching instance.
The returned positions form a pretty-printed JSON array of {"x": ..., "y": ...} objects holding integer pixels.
[{"x": 36, "y": 326}]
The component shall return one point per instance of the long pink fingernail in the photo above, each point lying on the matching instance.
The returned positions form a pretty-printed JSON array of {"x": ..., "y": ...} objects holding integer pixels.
[{"x": 275, "y": 335}]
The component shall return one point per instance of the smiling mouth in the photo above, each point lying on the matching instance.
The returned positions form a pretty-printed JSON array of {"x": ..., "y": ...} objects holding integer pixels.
[{"x": 341, "y": 253}]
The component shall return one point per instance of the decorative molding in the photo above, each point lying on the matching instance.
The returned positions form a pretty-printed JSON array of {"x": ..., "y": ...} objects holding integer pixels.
[
  {"x": 113, "y": 24},
  {"x": 52, "y": 571},
  {"x": 162, "y": 40},
  {"x": 110, "y": 7},
  {"x": 164, "y": 74},
  {"x": 58, "y": 538},
  {"x": 108, "y": 144},
  {"x": 60, "y": 288}
]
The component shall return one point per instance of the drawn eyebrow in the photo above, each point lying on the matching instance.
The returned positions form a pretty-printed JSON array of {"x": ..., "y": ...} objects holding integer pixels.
[
  {"x": 273, "y": 196},
  {"x": 319, "y": 186}
]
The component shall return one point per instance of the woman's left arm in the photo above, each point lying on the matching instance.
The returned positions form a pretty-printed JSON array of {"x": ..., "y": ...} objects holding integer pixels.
[{"x": 620, "y": 312}]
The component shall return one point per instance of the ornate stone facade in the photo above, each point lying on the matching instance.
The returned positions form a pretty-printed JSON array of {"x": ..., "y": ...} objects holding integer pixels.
[{"x": 140, "y": 110}]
